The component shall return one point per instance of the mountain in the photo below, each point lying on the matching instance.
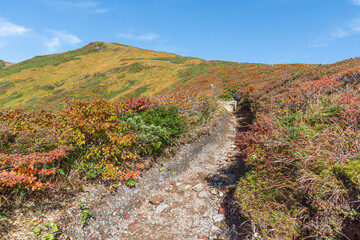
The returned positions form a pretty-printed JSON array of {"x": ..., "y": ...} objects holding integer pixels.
[
  {"x": 116, "y": 71},
  {"x": 298, "y": 135},
  {"x": 4, "y": 64}
]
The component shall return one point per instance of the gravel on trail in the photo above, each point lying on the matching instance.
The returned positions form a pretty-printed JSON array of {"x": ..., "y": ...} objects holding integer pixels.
[{"x": 181, "y": 198}]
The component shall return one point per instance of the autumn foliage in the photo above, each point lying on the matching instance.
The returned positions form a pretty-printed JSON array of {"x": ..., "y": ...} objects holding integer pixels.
[
  {"x": 303, "y": 154},
  {"x": 27, "y": 170},
  {"x": 95, "y": 139}
]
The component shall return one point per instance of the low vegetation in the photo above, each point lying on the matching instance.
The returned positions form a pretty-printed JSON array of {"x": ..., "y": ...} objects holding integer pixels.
[
  {"x": 303, "y": 154},
  {"x": 105, "y": 112}
]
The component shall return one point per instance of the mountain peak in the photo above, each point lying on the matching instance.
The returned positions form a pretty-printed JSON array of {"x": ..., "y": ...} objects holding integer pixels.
[{"x": 4, "y": 64}]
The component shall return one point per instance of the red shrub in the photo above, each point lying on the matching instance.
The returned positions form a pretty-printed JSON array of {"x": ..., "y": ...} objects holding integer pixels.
[
  {"x": 137, "y": 104},
  {"x": 27, "y": 169}
]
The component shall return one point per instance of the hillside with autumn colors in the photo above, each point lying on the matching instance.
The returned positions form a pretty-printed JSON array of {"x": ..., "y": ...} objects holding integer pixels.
[
  {"x": 106, "y": 112},
  {"x": 113, "y": 71}
]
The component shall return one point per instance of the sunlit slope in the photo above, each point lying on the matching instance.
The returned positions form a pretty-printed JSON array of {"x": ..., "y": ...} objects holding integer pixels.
[
  {"x": 107, "y": 70},
  {"x": 115, "y": 71}
]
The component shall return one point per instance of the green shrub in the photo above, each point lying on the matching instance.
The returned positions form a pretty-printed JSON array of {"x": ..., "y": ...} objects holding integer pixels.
[
  {"x": 227, "y": 94},
  {"x": 152, "y": 139},
  {"x": 167, "y": 118},
  {"x": 349, "y": 173}
]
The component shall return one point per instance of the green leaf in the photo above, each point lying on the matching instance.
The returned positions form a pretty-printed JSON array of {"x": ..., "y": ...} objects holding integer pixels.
[
  {"x": 61, "y": 171},
  {"x": 48, "y": 236},
  {"x": 54, "y": 227},
  {"x": 37, "y": 231}
]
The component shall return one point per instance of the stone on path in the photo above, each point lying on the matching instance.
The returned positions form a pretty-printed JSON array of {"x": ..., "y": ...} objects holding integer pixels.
[
  {"x": 198, "y": 187},
  {"x": 214, "y": 192},
  {"x": 156, "y": 200},
  {"x": 218, "y": 217},
  {"x": 204, "y": 194},
  {"x": 161, "y": 208}
]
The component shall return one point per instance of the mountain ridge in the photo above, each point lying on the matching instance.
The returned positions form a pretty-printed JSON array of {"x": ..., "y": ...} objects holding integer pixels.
[
  {"x": 115, "y": 71},
  {"x": 4, "y": 64}
]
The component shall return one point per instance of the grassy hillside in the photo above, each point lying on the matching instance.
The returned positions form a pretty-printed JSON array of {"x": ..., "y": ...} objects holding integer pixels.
[
  {"x": 303, "y": 154},
  {"x": 302, "y": 149},
  {"x": 114, "y": 71}
]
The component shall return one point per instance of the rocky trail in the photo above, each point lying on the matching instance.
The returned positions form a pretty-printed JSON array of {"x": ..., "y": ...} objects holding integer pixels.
[{"x": 188, "y": 196}]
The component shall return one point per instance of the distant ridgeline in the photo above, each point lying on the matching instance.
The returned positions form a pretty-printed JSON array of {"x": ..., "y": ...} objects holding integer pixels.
[{"x": 114, "y": 72}]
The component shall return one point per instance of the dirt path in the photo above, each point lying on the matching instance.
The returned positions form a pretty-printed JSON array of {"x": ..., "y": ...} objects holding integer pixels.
[{"x": 193, "y": 190}]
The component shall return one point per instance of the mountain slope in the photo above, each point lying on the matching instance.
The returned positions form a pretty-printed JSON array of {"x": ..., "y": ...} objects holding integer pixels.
[
  {"x": 115, "y": 71},
  {"x": 4, "y": 64}
]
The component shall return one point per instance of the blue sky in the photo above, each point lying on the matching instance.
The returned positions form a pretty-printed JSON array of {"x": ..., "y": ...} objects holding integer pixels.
[{"x": 262, "y": 31}]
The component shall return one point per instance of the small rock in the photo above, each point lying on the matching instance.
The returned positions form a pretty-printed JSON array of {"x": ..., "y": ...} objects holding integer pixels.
[
  {"x": 215, "y": 229},
  {"x": 173, "y": 183},
  {"x": 178, "y": 184},
  {"x": 218, "y": 217},
  {"x": 204, "y": 194},
  {"x": 127, "y": 216},
  {"x": 214, "y": 192},
  {"x": 156, "y": 200},
  {"x": 221, "y": 194},
  {"x": 221, "y": 210},
  {"x": 228, "y": 159},
  {"x": 229, "y": 156},
  {"x": 187, "y": 187},
  {"x": 161, "y": 208},
  {"x": 216, "y": 179},
  {"x": 198, "y": 187}
]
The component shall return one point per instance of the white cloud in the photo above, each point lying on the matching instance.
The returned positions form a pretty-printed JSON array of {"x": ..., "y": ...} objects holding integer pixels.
[
  {"x": 140, "y": 37},
  {"x": 355, "y": 25},
  {"x": 104, "y": 10},
  {"x": 339, "y": 33},
  {"x": 348, "y": 29},
  {"x": 53, "y": 44},
  {"x": 85, "y": 5},
  {"x": 356, "y": 2},
  {"x": 82, "y": 4},
  {"x": 59, "y": 38},
  {"x": 11, "y": 29}
]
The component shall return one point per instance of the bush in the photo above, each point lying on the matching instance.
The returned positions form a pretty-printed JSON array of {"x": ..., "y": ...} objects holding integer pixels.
[
  {"x": 167, "y": 118},
  {"x": 24, "y": 171},
  {"x": 151, "y": 139}
]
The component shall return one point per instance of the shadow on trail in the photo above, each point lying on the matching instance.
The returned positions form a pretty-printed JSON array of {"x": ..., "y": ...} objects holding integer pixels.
[{"x": 225, "y": 180}]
